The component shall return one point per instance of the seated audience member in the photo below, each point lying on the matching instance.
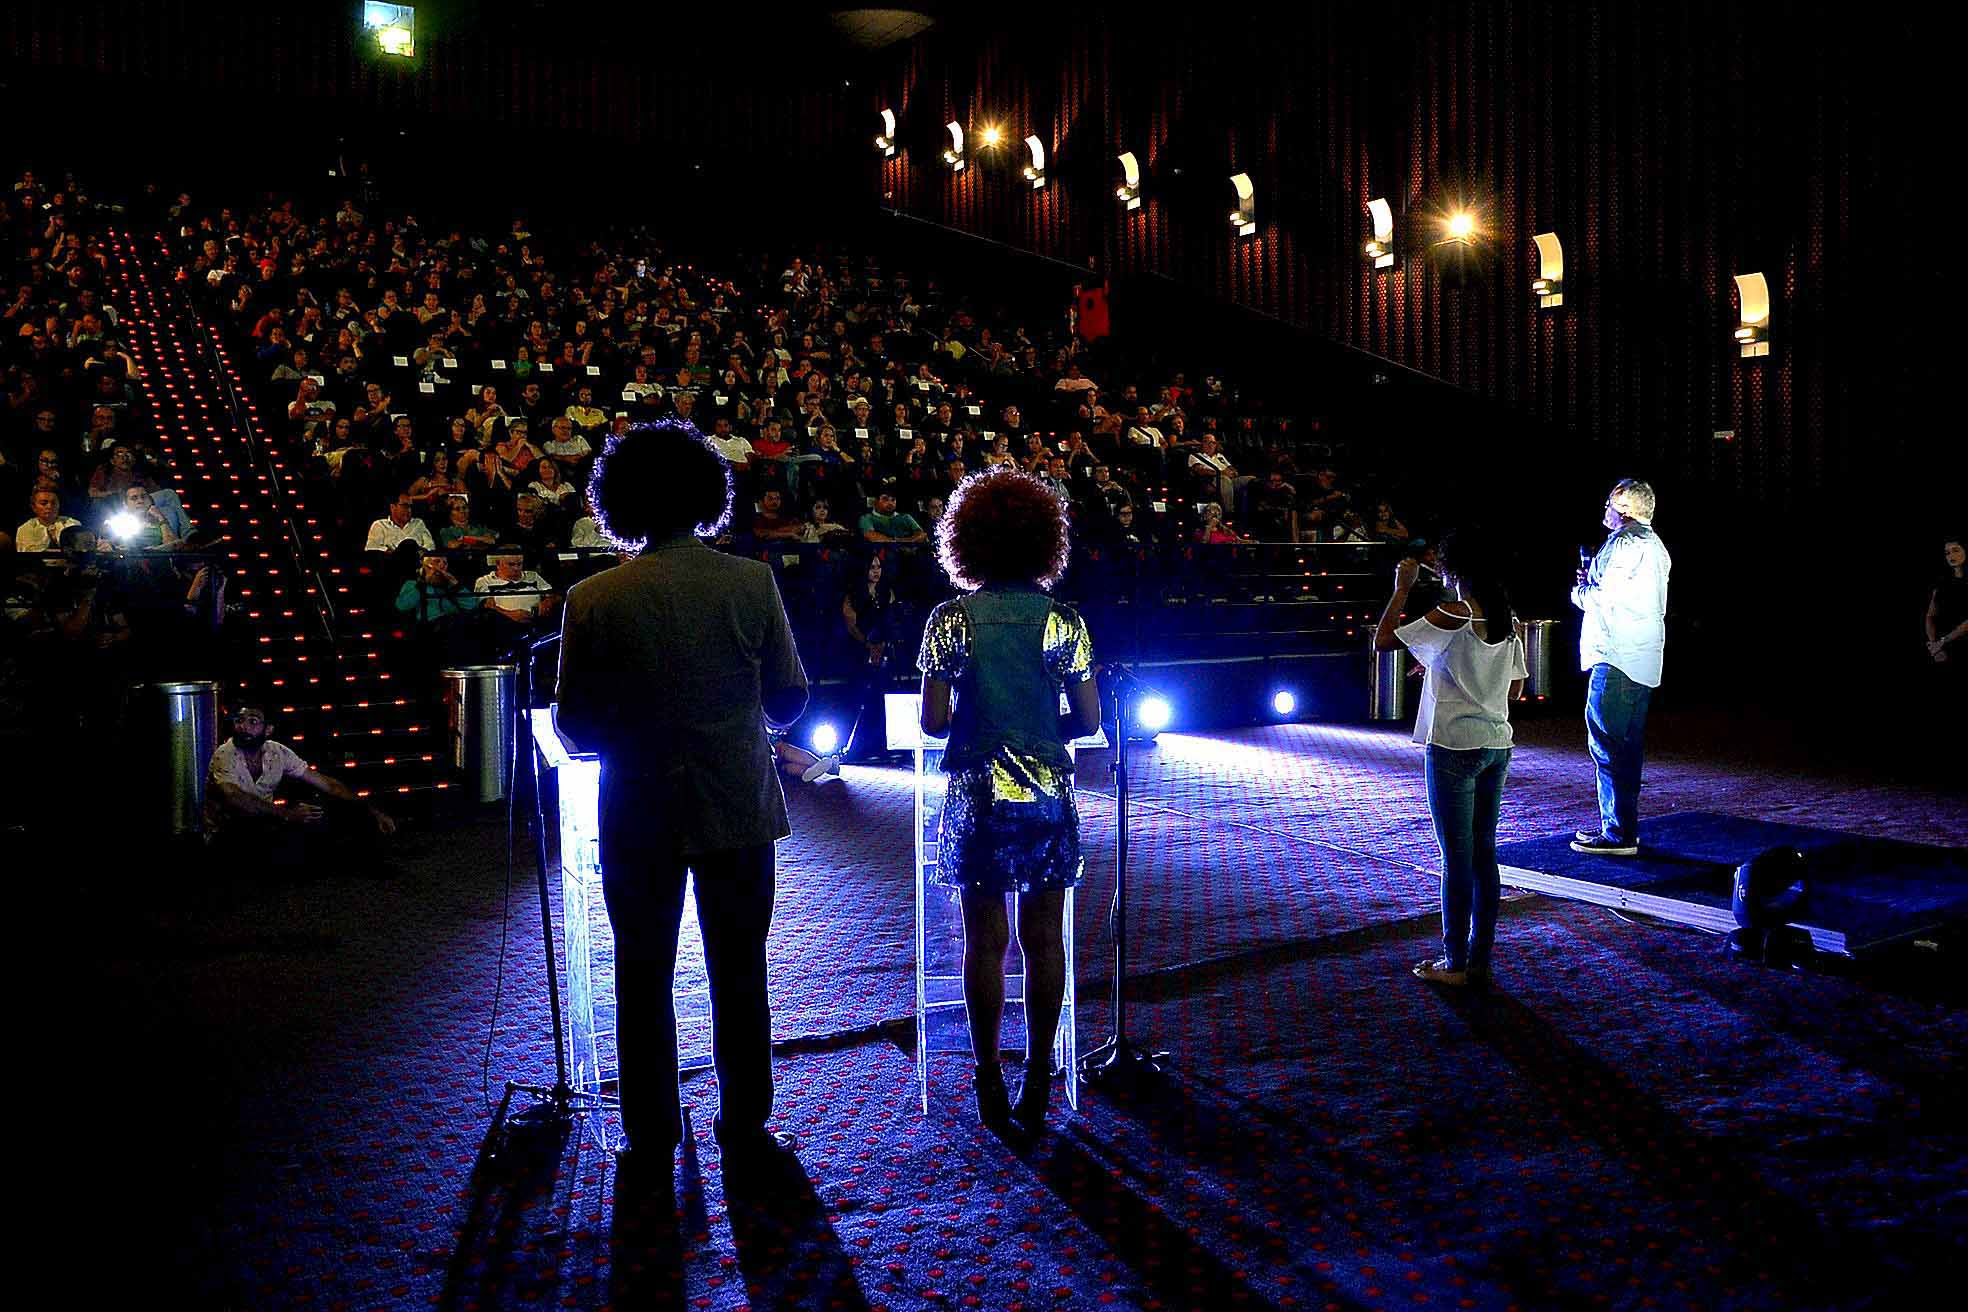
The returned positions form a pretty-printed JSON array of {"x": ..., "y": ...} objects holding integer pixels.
[
  {"x": 533, "y": 529},
  {"x": 140, "y": 525},
  {"x": 1386, "y": 525},
  {"x": 399, "y": 526},
  {"x": 117, "y": 475},
  {"x": 493, "y": 486},
  {"x": 1073, "y": 383},
  {"x": 585, "y": 415},
  {"x": 886, "y": 524},
  {"x": 1325, "y": 501},
  {"x": 1213, "y": 529},
  {"x": 437, "y": 602},
  {"x": 1143, "y": 432},
  {"x": 585, "y": 534},
  {"x": 516, "y": 593},
  {"x": 1274, "y": 510},
  {"x": 1351, "y": 528},
  {"x": 437, "y": 483},
  {"x": 737, "y": 452},
  {"x": 555, "y": 493},
  {"x": 244, "y": 778},
  {"x": 102, "y": 431},
  {"x": 820, "y": 524},
  {"x": 43, "y": 532},
  {"x": 1054, "y": 476},
  {"x": 517, "y": 448},
  {"x": 1217, "y": 477},
  {"x": 771, "y": 446},
  {"x": 772, "y": 523},
  {"x": 462, "y": 533},
  {"x": 1114, "y": 495},
  {"x": 570, "y": 447},
  {"x": 1120, "y": 531}
]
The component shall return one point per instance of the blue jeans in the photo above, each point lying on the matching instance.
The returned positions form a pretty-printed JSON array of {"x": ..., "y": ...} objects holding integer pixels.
[
  {"x": 1615, "y": 720},
  {"x": 1465, "y": 791}
]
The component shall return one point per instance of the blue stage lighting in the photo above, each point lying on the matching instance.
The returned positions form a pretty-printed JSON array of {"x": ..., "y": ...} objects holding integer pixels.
[
  {"x": 1284, "y": 702},
  {"x": 1153, "y": 714},
  {"x": 825, "y": 739}
]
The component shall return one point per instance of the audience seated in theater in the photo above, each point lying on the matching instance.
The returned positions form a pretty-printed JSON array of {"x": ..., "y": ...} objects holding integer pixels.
[
  {"x": 555, "y": 493},
  {"x": 1274, "y": 510},
  {"x": 821, "y": 527},
  {"x": 116, "y": 475},
  {"x": 517, "y": 594},
  {"x": 138, "y": 524},
  {"x": 400, "y": 525},
  {"x": 1386, "y": 525}
]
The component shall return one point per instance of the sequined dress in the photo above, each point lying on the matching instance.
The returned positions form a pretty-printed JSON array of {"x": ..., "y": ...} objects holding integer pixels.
[{"x": 1009, "y": 822}]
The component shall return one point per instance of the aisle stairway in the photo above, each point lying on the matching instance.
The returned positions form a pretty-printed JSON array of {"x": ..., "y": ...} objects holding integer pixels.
[{"x": 340, "y": 686}]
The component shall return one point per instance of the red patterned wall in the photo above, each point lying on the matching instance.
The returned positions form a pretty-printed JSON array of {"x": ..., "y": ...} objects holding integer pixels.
[{"x": 1669, "y": 145}]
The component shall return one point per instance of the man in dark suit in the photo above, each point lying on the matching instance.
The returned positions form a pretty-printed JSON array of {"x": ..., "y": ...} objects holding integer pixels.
[{"x": 671, "y": 665}]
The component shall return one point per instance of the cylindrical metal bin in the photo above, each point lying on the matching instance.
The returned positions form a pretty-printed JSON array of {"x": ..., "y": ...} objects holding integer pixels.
[
  {"x": 1387, "y": 684},
  {"x": 1538, "y": 637},
  {"x": 478, "y": 708},
  {"x": 177, "y": 726}
]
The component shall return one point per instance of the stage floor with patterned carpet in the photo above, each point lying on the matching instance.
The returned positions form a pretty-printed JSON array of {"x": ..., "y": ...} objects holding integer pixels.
[{"x": 277, "y": 1094}]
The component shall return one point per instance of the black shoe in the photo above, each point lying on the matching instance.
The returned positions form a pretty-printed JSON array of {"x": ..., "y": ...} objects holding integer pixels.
[
  {"x": 748, "y": 1149},
  {"x": 993, "y": 1099},
  {"x": 1034, "y": 1097},
  {"x": 1600, "y": 845},
  {"x": 644, "y": 1173}
]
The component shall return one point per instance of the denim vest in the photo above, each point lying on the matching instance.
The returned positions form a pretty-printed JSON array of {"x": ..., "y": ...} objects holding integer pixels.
[{"x": 1007, "y": 695}]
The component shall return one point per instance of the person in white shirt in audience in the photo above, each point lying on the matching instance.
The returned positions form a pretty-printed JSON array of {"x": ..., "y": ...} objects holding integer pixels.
[
  {"x": 518, "y": 593},
  {"x": 585, "y": 532},
  {"x": 737, "y": 452},
  {"x": 1472, "y": 650},
  {"x": 1230, "y": 489},
  {"x": 43, "y": 532},
  {"x": 565, "y": 444},
  {"x": 398, "y": 527}
]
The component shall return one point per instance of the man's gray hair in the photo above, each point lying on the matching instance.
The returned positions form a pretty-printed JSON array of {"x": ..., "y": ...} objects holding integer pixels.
[
  {"x": 1639, "y": 499},
  {"x": 529, "y": 499}
]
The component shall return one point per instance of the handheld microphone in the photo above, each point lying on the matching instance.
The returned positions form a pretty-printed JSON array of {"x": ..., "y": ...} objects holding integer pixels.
[{"x": 1585, "y": 558}]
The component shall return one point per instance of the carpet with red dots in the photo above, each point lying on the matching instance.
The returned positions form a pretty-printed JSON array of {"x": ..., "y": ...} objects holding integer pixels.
[{"x": 304, "y": 1075}]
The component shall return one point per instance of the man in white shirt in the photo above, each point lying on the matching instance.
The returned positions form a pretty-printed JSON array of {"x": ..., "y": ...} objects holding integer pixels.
[
  {"x": 397, "y": 528},
  {"x": 737, "y": 452},
  {"x": 517, "y": 593},
  {"x": 1623, "y": 592},
  {"x": 43, "y": 532},
  {"x": 245, "y": 776},
  {"x": 1213, "y": 468}
]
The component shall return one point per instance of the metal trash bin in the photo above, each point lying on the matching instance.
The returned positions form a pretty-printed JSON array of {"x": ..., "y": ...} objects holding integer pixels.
[
  {"x": 177, "y": 726},
  {"x": 478, "y": 710},
  {"x": 1387, "y": 684},
  {"x": 1538, "y": 637}
]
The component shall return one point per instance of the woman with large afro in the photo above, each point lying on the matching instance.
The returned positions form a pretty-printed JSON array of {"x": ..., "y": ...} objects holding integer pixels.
[{"x": 994, "y": 663}]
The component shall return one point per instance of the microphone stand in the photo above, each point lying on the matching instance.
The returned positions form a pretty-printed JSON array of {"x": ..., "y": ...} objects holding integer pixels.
[
  {"x": 1120, "y": 1058},
  {"x": 556, "y": 1105}
]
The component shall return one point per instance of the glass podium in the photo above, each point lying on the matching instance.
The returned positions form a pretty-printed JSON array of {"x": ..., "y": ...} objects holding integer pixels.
[
  {"x": 940, "y": 1022},
  {"x": 588, "y": 941}
]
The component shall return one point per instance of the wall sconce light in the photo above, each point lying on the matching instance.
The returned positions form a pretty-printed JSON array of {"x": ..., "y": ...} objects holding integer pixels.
[
  {"x": 1753, "y": 292},
  {"x": 1129, "y": 192},
  {"x": 1549, "y": 285},
  {"x": 1380, "y": 246},
  {"x": 885, "y": 139},
  {"x": 1244, "y": 217},
  {"x": 1035, "y": 171},
  {"x": 1459, "y": 227},
  {"x": 953, "y": 154}
]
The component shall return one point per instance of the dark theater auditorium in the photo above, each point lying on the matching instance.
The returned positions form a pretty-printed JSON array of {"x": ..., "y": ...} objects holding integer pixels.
[{"x": 539, "y": 522}]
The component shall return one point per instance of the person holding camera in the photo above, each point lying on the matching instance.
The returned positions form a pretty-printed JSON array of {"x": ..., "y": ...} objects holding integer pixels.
[{"x": 1471, "y": 649}]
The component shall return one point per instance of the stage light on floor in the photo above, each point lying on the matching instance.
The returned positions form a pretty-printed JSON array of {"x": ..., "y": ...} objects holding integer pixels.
[
  {"x": 826, "y": 738},
  {"x": 1153, "y": 714},
  {"x": 1284, "y": 702}
]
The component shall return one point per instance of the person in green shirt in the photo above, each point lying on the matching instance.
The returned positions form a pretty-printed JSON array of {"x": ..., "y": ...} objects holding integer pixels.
[{"x": 885, "y": 524}]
